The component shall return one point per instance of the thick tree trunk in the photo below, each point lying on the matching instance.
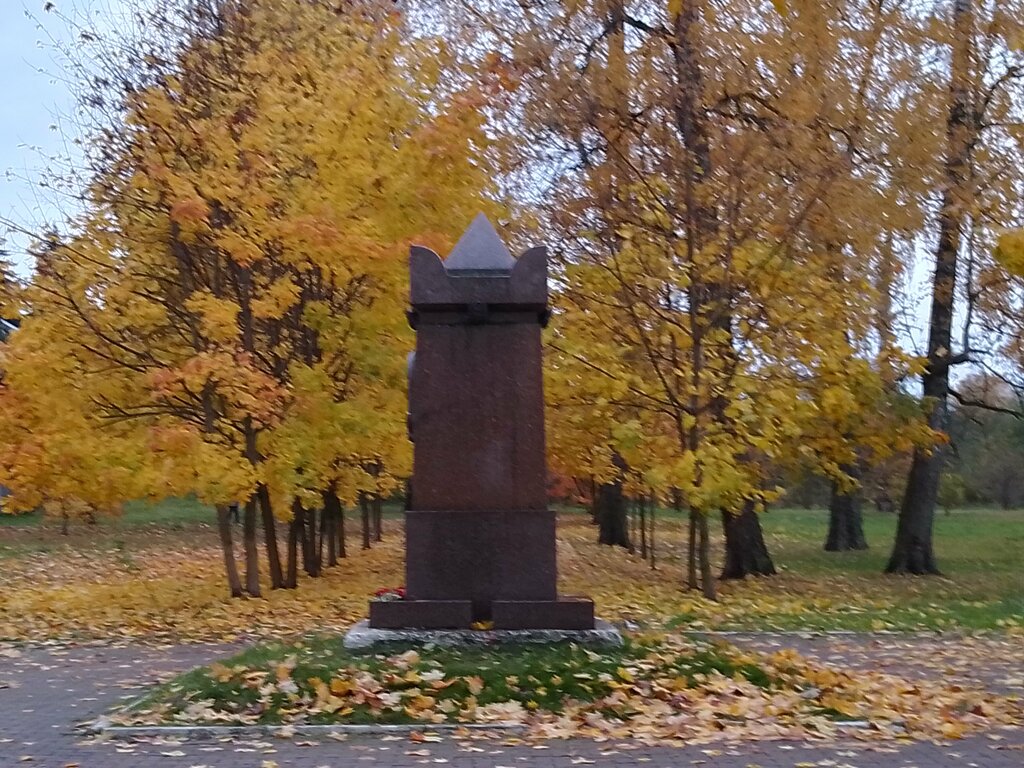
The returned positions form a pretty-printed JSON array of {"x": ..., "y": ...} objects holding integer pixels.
[
  {"x": 845, "y": 520},
  {"x": 332, "y": 504},
  {"x": 227, "y": 547},
  {"x": 746, "y": 554},
  {"x": 612, "y": 515},
  {"x": 270, "y": 535},
  {"x": 252, "y": 553},
  {"x": 912, "y": 552}
]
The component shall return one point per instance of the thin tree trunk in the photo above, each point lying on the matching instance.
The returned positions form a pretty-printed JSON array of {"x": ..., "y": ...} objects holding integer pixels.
[
  {"x": 643, "y": 526},
  {"x": 632, "y": 514},
  {"x": 270, "y": 535},
  {"x": 309, "y": 564},
  {"x": 746, "y": 554},
  {"x": 378, "y": 517},
  {"x": 227, "y": 547},
  {"x": 912, "y": 550},
  {"x": 252, "y": 553},
  {"x": 846, "y": 523},
  {"x": 330, "y": 533},
  {"x": 364, "y": 508},
  {"x": 292, "y": 574},
  {"x": 653, "y": 552},
  {"x": 707, "y": 581},
  {"x": 691, "y": 562},
  {"x": 320, "y": 541},
  {"x": 593, "y": 502},
  {"x": 65, "y": 520},
  {"x": 342, "y": 551}
]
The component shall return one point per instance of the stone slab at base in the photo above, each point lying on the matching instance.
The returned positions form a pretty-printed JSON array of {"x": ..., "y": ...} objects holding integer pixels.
[
  {"x": 564, "y": 613},
  {"x": 362, "y": 635}
]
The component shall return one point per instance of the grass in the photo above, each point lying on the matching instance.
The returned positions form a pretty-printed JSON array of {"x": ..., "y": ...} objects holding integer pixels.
[
  {"x": 36, "y": 533},
  {"x": 157, "y": 571},
  {"x": 980, "y": 550},
  {"x": 269, "y": 684}
]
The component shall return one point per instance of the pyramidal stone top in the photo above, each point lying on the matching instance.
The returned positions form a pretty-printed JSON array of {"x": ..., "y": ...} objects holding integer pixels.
[{"x": 480, "y": 250}]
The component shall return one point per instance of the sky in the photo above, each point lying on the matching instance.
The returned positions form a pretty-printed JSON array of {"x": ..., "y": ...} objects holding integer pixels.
[{"x": 32, "y": 99}]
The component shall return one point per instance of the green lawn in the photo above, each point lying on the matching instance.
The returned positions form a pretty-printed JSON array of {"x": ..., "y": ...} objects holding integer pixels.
[{"x": 981, "y": 552}]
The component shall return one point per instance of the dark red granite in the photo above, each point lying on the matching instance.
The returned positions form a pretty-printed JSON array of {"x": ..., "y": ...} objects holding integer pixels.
[{"x": 478, "y": 528}]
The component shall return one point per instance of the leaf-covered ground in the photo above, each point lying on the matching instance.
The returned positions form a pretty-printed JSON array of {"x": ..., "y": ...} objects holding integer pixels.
[
  {"x": 163, "y": 580},
  {"x": 656, "y": 690},
  {"x": 155, "y": 576}
]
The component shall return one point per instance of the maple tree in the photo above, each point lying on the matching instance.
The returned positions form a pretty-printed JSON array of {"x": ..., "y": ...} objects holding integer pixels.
[
  {"x": 714, "y": 185},
  {"x": 232, "y": 297}
]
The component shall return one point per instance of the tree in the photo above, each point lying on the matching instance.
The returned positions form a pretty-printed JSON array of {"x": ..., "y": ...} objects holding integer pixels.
[
  {"x": 711, "y": 178},
  {"x": 983, "y": 75},
  {"x": 237, "y": 274}
]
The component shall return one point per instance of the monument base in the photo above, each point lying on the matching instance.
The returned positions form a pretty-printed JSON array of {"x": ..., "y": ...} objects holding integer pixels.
[
  {"x": 575, "y": 613},
  {"x": 421, "y": 614},
  {"x": 362, "y": 636}
]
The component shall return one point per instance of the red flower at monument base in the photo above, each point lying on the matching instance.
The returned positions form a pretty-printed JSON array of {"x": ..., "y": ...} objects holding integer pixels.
[{"x": 389, "y": 593}]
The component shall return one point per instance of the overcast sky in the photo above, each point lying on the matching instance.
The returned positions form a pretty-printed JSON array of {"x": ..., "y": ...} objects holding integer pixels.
[{"x": 31, "y": 100}]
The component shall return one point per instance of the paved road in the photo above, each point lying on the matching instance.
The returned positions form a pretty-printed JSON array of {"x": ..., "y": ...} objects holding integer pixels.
[{"x": 46, "y": 692}]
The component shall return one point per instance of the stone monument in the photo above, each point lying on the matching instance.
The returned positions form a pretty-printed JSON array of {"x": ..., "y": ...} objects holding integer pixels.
[{"x": 480, "y": 538}]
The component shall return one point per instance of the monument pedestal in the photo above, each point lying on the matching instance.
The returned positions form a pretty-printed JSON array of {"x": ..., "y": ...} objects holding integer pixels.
[
  {"x": 559, "y": 613},
  {"x": 480, "y": 540}
]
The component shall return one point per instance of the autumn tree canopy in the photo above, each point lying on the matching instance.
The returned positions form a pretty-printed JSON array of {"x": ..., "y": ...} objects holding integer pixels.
[{"x": 232, "y": 296}]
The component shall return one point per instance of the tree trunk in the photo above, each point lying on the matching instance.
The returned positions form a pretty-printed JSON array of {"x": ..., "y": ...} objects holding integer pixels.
[
  {"x": 654, "y": 555},
  {"x": 270, "y": 535},
  {"x": 364, "y": 508},
  {"x": 309, "y": 546},
  {"x": 612, "y": 516},
  {"x": 643, "y": 526},
  {"x": 707, "y": 581},
  {"x": 912, "y": 551},
  {"x": 593, "y": 502},
  {"x": 378, "y": 517},
  {"x": 746, "y": 554},
  {"x": 691, "y": 562},
  {"x": 330, "y": 534},
  {"x": 332, "y": 504},
  {"x": 320, "y": 541},
  {"x": 292, "y": 575},
  {"x": 845, "y": 521},
  {"x": 227, "y": 547},
  {"x": 252, "y": 553},
  {"x": 65, "y": 519}
]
